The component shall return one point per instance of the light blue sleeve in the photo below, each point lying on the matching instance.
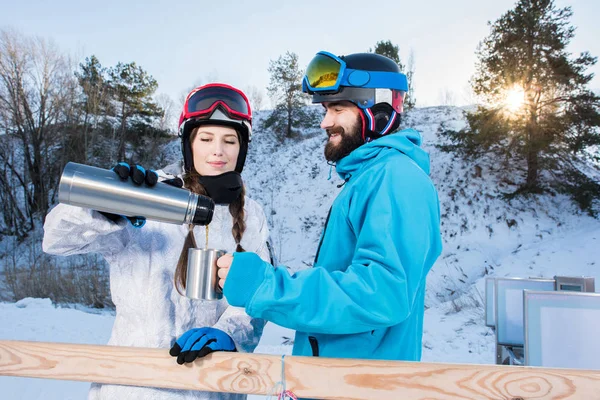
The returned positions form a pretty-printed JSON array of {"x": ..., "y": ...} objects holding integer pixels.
[{"x": 396, "y": 220}]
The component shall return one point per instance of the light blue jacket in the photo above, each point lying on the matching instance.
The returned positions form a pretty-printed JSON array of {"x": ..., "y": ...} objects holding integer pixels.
[{"x": 364, "y": 297}]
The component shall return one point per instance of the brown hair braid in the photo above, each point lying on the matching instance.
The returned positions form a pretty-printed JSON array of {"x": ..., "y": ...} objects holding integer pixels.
[{"x": 236, "y": 209}]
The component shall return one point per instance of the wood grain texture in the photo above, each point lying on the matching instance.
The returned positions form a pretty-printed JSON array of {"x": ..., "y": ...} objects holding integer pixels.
[{"x": 323, "y": 378}]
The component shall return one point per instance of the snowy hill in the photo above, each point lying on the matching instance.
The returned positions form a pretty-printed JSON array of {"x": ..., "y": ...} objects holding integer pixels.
[{"x": 484, "y": 235}]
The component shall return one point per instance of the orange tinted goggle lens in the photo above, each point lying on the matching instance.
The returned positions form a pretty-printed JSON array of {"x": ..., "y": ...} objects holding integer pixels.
[{"x": 323, "y": 72}]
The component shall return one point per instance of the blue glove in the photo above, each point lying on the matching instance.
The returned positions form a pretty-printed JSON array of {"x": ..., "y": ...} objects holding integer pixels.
[
  {"x": 138, "y": 175},
  {"x": 197, "y": 343}
]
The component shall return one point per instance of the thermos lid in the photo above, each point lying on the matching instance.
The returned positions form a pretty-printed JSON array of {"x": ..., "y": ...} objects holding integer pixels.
[{"x": 204, "y": 211}]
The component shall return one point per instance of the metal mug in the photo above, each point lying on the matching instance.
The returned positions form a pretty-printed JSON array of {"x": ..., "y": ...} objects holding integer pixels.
[{"x": 202, "y": 281}]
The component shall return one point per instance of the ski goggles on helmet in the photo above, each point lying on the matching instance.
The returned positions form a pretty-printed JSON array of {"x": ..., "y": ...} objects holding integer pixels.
[
  {"x": 204, "y": 100},
  {"x": 326, "y": 73}
]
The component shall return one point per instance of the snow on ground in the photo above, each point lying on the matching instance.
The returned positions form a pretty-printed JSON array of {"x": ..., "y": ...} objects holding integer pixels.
[{"x": 38, "y": 320}]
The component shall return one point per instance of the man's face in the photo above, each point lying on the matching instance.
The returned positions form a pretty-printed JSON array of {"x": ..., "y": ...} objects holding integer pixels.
[{"x": 343, "y": 125}]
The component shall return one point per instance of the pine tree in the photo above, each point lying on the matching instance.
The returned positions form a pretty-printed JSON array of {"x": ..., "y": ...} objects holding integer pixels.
[
  {"x": 285, "y": 87},
  {"x": 390, "y": 50},
  {"x": 132, "y": 88},
  {"x": 536, "y": 105},
  {"x": 95, "y": 98},
  {"x": 411, "y": 100}
]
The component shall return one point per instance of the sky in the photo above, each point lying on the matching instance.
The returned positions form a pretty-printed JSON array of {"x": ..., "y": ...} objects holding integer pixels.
[{"x": 185, "y": 43}]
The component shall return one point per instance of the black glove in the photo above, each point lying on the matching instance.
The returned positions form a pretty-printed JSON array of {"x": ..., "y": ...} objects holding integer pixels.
[
  {"x": 139, "y": 176},
  {"x": 177, "y": 182},
  {"x": 137, "y": 173},
  {"x": 197, "y": 343}
]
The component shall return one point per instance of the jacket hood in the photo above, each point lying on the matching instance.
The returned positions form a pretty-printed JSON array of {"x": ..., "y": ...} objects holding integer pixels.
[{"x": 407, "y": 141}]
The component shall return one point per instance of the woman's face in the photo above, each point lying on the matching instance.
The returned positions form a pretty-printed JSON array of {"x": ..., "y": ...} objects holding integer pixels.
[{"x": 215, "y": 149}]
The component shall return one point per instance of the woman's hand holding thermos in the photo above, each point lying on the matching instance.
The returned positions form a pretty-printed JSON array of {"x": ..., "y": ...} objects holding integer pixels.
[{"x": 139, "y": 176}]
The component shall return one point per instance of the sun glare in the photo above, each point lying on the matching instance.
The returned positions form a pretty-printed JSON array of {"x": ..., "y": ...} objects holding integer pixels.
[{"x": 515, "y": 98}]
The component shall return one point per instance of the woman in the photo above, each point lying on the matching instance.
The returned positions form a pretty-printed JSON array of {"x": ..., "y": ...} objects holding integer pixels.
[{"x": 148, "y": 264}]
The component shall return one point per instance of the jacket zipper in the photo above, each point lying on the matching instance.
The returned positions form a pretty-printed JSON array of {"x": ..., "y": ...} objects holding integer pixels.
[
  {"x": 314, "y": 345},
  {"x": 322, "y": 236},
  {"x": 326, "y": 222}
]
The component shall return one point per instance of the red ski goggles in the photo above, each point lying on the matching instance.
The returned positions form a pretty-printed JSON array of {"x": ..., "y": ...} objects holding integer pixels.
[{"x": 205, "y": 99}]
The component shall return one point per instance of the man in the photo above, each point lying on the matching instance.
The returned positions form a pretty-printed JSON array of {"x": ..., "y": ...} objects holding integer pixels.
[{"x": 364, "y": 296}]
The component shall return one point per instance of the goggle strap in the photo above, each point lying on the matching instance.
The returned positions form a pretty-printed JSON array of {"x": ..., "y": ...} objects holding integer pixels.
[
  {"x": 371, "y": 118},
  {"x": 378, "y": 80},
  {"x": 389, "y": 124}
]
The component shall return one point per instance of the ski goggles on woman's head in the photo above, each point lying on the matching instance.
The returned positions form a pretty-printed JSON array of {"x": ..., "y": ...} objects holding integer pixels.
[
  {"x": 327, "y": 72},
  {"x": 205, "y": 99}
]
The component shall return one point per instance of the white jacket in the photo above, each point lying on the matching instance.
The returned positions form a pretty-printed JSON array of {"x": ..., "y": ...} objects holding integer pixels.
[{"x": 149, "y": 310}]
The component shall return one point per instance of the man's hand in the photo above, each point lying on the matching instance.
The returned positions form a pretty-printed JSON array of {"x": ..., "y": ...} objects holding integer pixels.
[{"x": 223, "y": 263}]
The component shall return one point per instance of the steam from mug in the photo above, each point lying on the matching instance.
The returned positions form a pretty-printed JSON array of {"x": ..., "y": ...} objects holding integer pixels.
[{"x": 103, "y": 190}]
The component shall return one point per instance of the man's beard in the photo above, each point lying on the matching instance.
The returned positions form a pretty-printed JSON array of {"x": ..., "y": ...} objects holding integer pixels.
[{"x": 349, "y": 141}]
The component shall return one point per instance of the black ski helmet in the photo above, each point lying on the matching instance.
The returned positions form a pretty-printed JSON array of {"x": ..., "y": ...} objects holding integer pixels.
[{"x": 371, "y": 81}]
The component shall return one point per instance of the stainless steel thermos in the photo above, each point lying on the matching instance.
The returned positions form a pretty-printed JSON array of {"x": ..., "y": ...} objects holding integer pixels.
[{"x": 103, "y": 190}]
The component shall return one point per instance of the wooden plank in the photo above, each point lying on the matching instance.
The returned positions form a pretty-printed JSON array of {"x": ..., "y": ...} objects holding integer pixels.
[{"x": 323, "y": 378}]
